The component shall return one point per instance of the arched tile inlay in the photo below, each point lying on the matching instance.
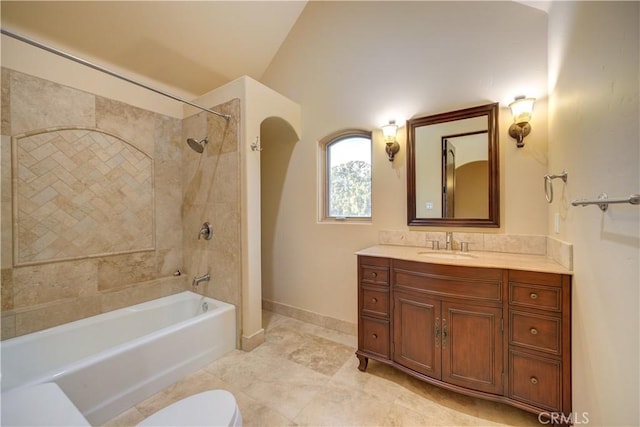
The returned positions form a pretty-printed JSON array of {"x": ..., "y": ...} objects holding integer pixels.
[{"x": 79, "y": 193}]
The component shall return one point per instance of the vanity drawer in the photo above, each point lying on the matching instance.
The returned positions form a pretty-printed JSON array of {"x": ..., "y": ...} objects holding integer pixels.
[
  {"x": 470, "y": 289},
  {"x": 536, "y": 332},
  {"x": 535, "y": 380},
  {"x": 375, "y": 300},
  {"x": 374, "y": 275},
  {"x": 374, "y": 270},
  {"x": 374, "y": 336},
  {"x": 533, "y": 296},
  {"x": 470, "y": 283}
]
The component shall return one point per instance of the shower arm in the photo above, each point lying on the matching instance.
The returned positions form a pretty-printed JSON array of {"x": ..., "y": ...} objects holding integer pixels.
[{"x": 102, "y": 69}]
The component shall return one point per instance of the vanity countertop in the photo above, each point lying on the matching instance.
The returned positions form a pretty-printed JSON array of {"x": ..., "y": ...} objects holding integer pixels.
[{"x": 467, "y": 259}]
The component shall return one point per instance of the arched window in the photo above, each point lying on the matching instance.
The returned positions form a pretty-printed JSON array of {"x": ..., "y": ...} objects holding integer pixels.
[{"x": 346, "y": 176}]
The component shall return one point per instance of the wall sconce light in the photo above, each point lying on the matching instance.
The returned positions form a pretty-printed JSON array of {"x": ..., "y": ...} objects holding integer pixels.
[
  {"x": 389, "y": 132},
  {"x": 521, "y": 109}
]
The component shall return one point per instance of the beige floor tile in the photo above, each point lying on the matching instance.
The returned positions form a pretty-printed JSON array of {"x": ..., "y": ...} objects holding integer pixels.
[
  {"x": 244, "y": 369},
  {"x": 321, "y": 355},
  {"x": 288, "y": 388},
  {"x": 401, "y": 416},
  {"x": 256, "y": 414},
  {"x": 338, "y": 405}
]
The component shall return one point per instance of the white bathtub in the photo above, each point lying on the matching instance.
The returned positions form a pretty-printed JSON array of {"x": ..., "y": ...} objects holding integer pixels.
[{"x": 109, "y": 362}]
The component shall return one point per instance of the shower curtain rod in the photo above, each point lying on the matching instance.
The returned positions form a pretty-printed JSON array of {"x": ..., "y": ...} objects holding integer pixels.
[{"x": 106, "y": 71}]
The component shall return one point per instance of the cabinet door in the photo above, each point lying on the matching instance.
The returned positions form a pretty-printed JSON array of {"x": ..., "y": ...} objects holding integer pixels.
[
  {"x": 472, "y": 346},
  {"x": 416, "y": 332}
]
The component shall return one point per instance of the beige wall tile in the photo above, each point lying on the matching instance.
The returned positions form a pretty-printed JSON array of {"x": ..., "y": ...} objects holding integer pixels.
[
  {"x": 403, "y": 238},
  {"x": 8, "y": 325},
  {"x": 141, "y": 292},
  {"x": 534, "y": 245},
  {"x": 224, "y": 132},
  {"x": 121, "y": 270},
  {"x": 168, "y": 139},
  {"x": 6, "y": 213},
  {"x": 168, "y": 261},
  {"x": 135, "y": 125},
  {"x": 5, "y": 96},
  {"x": 7, "y": 288},
  {"x": 475, "y": 240},
  {"x": 44, "y": 283},
  {"x": 38, "y": 104},
  {"x": 561, "y": 252},
  {"x": 168, "y": 204},
  {"x": 47, "y": 316}
]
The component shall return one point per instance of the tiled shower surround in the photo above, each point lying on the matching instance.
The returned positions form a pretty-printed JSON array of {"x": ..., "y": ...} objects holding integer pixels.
[{"x": 97, "y": 199}]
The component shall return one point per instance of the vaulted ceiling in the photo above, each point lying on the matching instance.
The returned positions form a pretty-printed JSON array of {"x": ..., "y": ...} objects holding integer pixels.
[{"x": 193, "y": 46}]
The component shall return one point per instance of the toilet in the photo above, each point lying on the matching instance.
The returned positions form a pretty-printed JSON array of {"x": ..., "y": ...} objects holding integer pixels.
[
  {"x": 209, "y": 408},
  {"x": 47, "y": 405}
]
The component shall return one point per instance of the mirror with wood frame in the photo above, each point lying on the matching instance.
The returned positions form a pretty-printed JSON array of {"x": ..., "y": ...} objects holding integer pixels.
[{"x": 453, "y": 170}]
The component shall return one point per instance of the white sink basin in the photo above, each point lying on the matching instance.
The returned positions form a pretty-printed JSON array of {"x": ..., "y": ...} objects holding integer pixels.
[{"x": 446, "y": 255}]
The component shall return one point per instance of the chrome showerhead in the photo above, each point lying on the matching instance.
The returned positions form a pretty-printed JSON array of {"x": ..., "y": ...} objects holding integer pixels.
[{"x": 198, "y": 146}]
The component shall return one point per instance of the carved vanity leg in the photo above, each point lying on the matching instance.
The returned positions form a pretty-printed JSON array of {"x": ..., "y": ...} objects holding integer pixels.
[{"x": 363, "y": 362}]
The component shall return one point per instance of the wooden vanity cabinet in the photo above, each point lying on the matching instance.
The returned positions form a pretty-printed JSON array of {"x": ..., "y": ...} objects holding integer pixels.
[{"x": 487, "y": 332}]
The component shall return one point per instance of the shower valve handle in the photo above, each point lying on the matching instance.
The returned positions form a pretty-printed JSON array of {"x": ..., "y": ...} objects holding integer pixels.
[{"x": 205, "y": 231}]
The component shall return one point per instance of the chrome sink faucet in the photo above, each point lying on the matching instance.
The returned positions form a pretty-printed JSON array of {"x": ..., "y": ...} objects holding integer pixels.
[{"x": 449, "y": 240}]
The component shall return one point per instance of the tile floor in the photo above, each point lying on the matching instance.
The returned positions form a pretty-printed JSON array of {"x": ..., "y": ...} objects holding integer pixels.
[{"x": 307, "y": 375}]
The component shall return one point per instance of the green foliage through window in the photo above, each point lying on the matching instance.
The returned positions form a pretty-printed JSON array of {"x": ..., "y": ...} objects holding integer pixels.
[
  {"x": 348, "y": 176},
  {"x": 350, "y": 190}
]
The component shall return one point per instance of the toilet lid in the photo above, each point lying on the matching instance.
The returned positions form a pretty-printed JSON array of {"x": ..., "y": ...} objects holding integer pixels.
[
  {"x": 40, "y": 405},
  {"x": 209, "y": 408}
]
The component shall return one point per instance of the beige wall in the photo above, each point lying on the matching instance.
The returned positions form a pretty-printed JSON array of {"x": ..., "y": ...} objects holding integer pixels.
[
  {"x": 359, "y": 64},
  {"x": 593, "y": 135}
]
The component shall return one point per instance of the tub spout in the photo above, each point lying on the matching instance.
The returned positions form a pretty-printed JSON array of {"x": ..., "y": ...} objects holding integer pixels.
[{"x": 198, "y": 279}]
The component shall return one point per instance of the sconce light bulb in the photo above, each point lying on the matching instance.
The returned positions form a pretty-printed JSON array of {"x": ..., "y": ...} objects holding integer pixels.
[
  {"x": 522, "y": 109},
  {"x": 389, "y": 131}
]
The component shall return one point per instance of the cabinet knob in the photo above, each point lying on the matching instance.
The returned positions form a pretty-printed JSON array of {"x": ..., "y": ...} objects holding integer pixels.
[
  {"x": 374, "y": 336},
  {"x": 374, "y": 274},
  {"x": 533, "y": 295},
  {"x": 374, "y": 300},
  {"x": 533, "y": 331},
  {"x": 534, "y": 380}
]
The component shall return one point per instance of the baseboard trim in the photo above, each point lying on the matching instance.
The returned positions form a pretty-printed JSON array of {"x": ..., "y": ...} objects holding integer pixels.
[
  {"x": 311, "y": 317},
  {"x": 253, "y": 341}
]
